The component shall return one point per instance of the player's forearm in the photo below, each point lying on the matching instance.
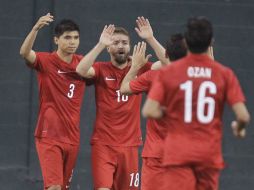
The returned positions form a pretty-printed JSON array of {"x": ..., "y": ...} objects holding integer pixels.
[
  {"x": 154, "y": 113},
  {"x": 125, "y": 86},
  {"x": 242, "y": 114},
  {"x": 28, "y": 43},
  {"x": 152, "y": 109},
  {"x": 158, "y": 49},
  {"x": 86, "y": 63}
]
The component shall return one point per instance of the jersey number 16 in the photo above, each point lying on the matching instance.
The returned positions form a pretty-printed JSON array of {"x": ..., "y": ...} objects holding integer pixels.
[{"x": 203, "y": 115}]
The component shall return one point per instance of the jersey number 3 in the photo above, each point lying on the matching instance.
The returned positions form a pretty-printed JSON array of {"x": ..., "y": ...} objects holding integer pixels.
[
  {"x": 203, "y": 101},
  {"x": 71, "y": 91}
]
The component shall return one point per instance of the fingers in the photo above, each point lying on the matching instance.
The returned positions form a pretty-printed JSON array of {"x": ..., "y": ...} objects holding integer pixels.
[
  {"x": 140, "y": 48},
  {"x": 109, "y": 29},
  {"x": 106, "y": 35},
  {"x": 141, "y": 21},
  {"x": 135, "y": 50},
  {"x": 45, "y": 20},
  {"x": 237, "y": 131},
  {"x": 138, "y": 31}
]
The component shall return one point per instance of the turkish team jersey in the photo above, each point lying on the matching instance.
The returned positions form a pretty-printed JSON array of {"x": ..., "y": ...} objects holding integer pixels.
[
  {"x": 117, "y": 116},
  {"x": 194, "y": 90},
  {"x": 156, "y": 130},
  {"x": 61, "y": 92}
]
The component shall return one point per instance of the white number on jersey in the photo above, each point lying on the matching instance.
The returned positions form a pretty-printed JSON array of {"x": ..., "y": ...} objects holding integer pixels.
[
  {"x": 134, "y": 180},
  {"x": 120, "y": 97},
  {"x": 71, "y": 90},
  {"x": 201, "y": 102}
]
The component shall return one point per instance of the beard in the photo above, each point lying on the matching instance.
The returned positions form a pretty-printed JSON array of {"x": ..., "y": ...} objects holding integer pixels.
[{"x": 121, "y": 58}]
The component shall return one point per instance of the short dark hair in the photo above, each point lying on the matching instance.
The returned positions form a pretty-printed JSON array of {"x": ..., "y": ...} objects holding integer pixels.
[
  {"x": 198, "y": 34},
  {"x": 121, "y": 30},
  {"x": 65, "y": 25},
  {"x": 176, "y": 47}
]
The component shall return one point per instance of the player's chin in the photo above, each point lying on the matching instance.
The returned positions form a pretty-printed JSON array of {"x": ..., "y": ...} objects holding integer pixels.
[
  {"x": 121, "y": 59},
  {"x": 71, "y": 50}
]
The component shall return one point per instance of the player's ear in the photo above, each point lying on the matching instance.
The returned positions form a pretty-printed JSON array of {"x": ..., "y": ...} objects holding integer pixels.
[
  {"x": 108, "y": 49},
  {"x": 56, "y": 40}
]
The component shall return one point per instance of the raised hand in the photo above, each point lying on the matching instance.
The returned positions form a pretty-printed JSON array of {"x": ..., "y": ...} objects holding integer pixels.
[
  {"x": 106, "y": 35},
  {"x": 144, "y": 28},
  {"x": 238, "y": 131},
  {"x": 138, "y": 57},
  {"x": 44, "y": 20}
]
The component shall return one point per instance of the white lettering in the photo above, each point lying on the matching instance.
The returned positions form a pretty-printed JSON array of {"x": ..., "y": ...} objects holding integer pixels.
[{"x": 199, "y": 72}]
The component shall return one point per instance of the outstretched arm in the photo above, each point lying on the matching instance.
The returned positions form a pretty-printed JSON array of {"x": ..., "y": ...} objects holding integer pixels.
[
  {"x": 138, "y": 61},
  {"x": 152, "y": 109},
  {"x": 145, "y": 31},
  {"x": 84, "y": 67},
  {"x": 242, "y": 120},
  {"x": 26, "y": 48}
]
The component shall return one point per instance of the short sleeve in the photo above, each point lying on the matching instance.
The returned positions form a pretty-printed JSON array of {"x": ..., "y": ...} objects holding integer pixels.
[
  {"x": 145, "y": 68},
  {"x": 38, "y": 63},
  {"x": 234, "y": 93},
  {"x": 140, "y": 84},
  {"x": 143, "y": 82},
  {"x": 157, "y": 91},
  {"x": 96, "y": 67}
]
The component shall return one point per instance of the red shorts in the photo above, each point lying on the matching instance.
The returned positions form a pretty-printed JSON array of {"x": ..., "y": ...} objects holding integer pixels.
[
  {"x": 207, "y": 178},
  {"x": 115, "y": 167},
  {"x": 57, "y": 161},
  {"x": 156, "y": 176}
]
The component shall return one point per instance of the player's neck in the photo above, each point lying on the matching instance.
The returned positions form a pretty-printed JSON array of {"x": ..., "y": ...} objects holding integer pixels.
[
  {"x": 204, "y": 53},
  {"x": 66, "y": 57},
  {"x": 119, "y": 66}
]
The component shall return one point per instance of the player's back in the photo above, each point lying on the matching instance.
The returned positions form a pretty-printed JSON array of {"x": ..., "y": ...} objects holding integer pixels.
[{"x": 196, "y": 90}]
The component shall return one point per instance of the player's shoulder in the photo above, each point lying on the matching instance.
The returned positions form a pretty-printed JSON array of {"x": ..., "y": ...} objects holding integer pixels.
[
  {"x": 78, "y": 56},
  {"x": 149, "y": 74},
  {"x": 222, "y": 68},
  {"x": 44, "y": 54},
  {"x": 103, "y": 63},
  {"x": 178, "y": 64}
]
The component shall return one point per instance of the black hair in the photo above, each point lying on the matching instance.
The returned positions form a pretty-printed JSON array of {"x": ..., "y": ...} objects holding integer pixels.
[
  {"x": 176, "y": 47},
  {"x": 65, "y": 25},
  {"x": 198, "y": 34}
]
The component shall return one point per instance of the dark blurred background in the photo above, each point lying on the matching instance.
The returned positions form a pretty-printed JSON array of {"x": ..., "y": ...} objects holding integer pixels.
[{"x": 233, "y": 22}]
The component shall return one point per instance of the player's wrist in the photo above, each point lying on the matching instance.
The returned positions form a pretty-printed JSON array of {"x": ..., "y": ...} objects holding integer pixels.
[
  {"x": 35, "y": 28},
  {"x": 150, "y": 39},
  {"x": 101, "y": 45}
]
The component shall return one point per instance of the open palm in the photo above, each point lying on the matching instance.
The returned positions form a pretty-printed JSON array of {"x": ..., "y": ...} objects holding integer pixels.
[
  {"x": 106, "y": 35},
  {"x": 144, "y": 28}
]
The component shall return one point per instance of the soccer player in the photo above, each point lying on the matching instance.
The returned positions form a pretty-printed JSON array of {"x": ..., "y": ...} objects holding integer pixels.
[
  {"x": 116, "y": 134},
  {"x": 156, "y": 130},
  {"x": 61, "y": 91},
  {"x": 193, "y": 91}
]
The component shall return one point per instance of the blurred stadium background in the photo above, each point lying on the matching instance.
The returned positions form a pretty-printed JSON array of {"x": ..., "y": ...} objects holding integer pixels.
[{"x": 233, "y": 22}]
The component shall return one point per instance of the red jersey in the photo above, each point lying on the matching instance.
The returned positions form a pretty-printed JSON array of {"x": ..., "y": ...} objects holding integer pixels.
[
  {"x": 194, "y": 90},
  {"x": 117, "y": 116},
  {"x": 61, "y": 92},
  {"x": 156, "y": 130}
]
